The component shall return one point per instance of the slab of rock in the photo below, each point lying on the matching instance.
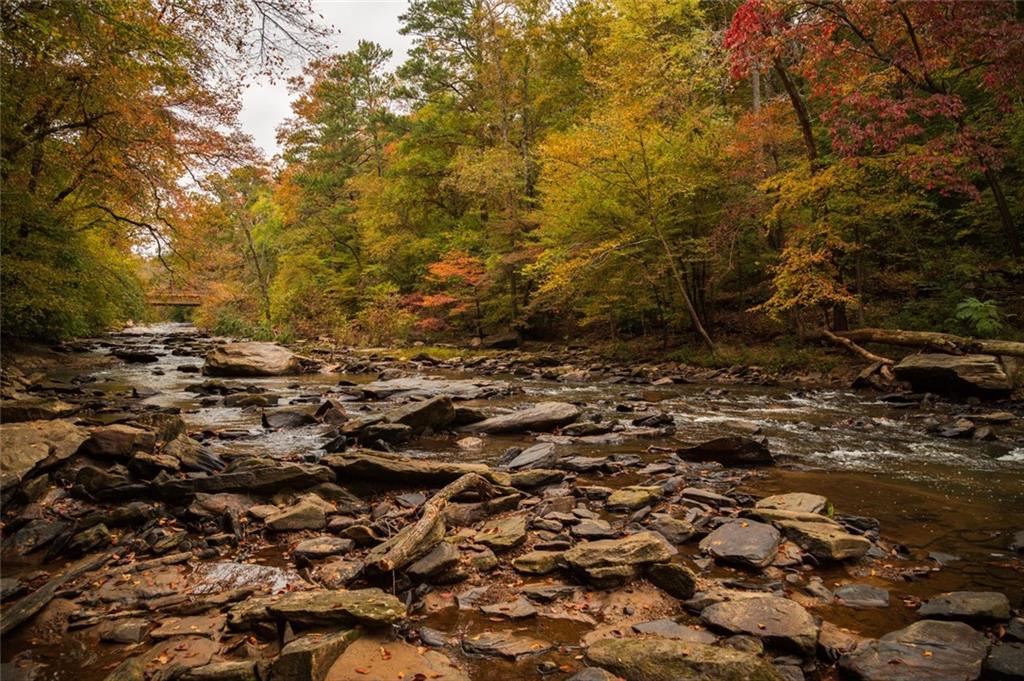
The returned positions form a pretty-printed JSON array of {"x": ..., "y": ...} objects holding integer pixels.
[
  {"x": 540, "y": 418},
  {"x": 441, "y": 558},
  {"x": 862, "y": 596},
  {"x": 515, "y": 610},
  {"x": 928, "y": 650},
  {"x": 287, "y": 418},
  {"x": 423, "y": 388},
  {"x": 675, "y": 530},
  {"x": 251, "y": 476},
  {"x": 968, "y": 606},
  {"x": 955, "y": 375},
  {"x": 504, "y": 644},
  {"x": 801, "y": 502},
  {"x": 1005, "y": 662},
  {"x": 779, "y": 621},
  {"x": 632, "y": 498},
  {"x": 502, "y": 534},
  {"x": 540, "y": 455},
  {"x": 674, "y": 579},
  {"x": 659, "y": 659},
  {"x": 305, "y": 515},
  {"x": 23, "y": 446},
  {"x": 825, "y": 541},
  {"x": 129, "y": 630},
  {"x": 742, "y": 542},
  {"x": 316, "y": 548},
  {"x": 361, "y": 606},
  {"x": 119, "y": 441},
  {"x": 538, "y": 562},
  {"x": 310, "y": 657},
  {"x": 253, "y": 359},
  {"x": 593, "y": 529},
  {"x": 402, "y": 471},
  {"x": 34, "y": 409},
  {"x": 436, "y": 413},
  {"x": 618, "y": 558},
  {"x": 731, "y": 450},
  {"x": 240, "y": 670},
  {"x": 200, "y": 625},
  {"x": 667, "y": 628}
]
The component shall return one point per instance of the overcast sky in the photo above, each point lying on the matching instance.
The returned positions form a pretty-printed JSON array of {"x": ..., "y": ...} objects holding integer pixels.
[{"x": 266, "y": 104}]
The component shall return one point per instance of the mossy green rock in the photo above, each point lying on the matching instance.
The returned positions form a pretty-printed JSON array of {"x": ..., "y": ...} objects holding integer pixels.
[{"x": 659, "y": 659}]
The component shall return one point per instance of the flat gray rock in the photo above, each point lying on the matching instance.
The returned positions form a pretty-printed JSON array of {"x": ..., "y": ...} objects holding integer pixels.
[
  {"x": 744, "y": 542},
  {"x": 540, "y": 418},
  {"x": 968, "y": 606},
  {"x": 928, "y": 650},
  {"x": 778, "y": 621}
]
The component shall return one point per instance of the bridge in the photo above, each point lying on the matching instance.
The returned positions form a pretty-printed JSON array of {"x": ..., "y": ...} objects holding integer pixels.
[{"x": 174, "y": 298}]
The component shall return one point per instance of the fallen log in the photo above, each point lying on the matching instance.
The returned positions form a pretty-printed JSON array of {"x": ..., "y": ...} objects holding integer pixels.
[
  {"x": 854, "y": 348},
  {"x": 934, "y": 341},
  {"x": 28, "y": 606},
  {"x": 414, "y": 540}
]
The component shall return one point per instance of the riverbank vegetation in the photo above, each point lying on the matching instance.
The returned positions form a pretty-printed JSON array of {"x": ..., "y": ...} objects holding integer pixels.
[{"x": 680, "y": 172}]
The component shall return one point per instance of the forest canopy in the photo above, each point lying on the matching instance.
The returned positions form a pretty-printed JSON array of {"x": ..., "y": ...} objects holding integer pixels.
[{"x": 676, "y": 168}]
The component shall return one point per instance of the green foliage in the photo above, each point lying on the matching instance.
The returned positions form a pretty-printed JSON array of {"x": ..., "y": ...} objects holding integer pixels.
[{"x": 981, "y": 317}]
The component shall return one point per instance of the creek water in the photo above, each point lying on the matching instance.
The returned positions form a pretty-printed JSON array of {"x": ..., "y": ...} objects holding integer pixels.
[{"x": 954, "y": 503}]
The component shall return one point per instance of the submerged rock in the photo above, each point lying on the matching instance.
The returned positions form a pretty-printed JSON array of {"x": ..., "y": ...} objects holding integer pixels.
[
  {"x": 928, "y": 650},
  {"x": 659, "y": 659},
  {"x": 504, "y": 644}
]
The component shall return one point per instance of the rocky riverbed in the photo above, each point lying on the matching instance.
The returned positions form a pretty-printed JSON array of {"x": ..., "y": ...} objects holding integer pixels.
[{"x": 175, "y": 507}]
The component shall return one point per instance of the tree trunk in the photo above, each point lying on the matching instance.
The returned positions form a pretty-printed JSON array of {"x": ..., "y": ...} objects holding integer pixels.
[
  {"x": 1012, "y": 232},
  {"x": 937, "y": 342}
]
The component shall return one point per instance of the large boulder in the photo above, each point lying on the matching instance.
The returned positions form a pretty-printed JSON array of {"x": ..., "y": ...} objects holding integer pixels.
[
  {"x": 23, "y": 446},
  {"x": 928, "y": 650},
  {"x": 983, "y": 375},
  {"x": 540, "y": 418},
  {"x": 618, "y": 560},
  {"x": 253, "y": 359},
  {"x": 661, "y": 659}
]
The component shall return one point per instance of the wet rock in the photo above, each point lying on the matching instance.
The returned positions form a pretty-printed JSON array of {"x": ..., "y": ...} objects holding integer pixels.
[
  {"x": 514, "y": 610},
  {"x": 441, "y": 558},
  {"x": 667, "y": 628},
  {"x": 657, "y": 659},
  {"x": 957, "y": 375},
  {"x": 436, "y": 413},
  {"x": 675, "y": 530},
  {"x": 317, "y": 548},
  {"x": 201, "y": 625},
  {"x": 632, "y": 498},
  {"x": 674, "y": 579},
  {"x": 862, "y": 596},
  {"x": 800, "y": 502},
  {"x": 304, "y": 515},
  {"x": 363, "y": 606},
  {"x": 538, "y": 562},
  {"x": 593, "y": 529},
  {"x": 253, "y": 359},
  {"x": 546, "y": 593},
  {"x": 248, "y": 399},
  {"x": 502, "y": 534},
  {"x": 504, "y": 644},
  {"x": 593, "y": 674},
  {"x": 310, "y": 657},
  {"x": 1015, "y": 629},
  {"x": 1005, "y": 662},
  {"x": 779, "y": 621},
  {"x": 287, "y": 418},
  {"x": 35, "y": 409},
  {"x": 541, "y": 417},
  {"x": 403, "y": 471},
  {"x": 605, "y": 559},
  {"x": 748, "y": 543},
  {"x": 538, "y": 456},
  {"x": 136, "y": 356},
  {"x": 708, "y": 497},
  {"x": 34, "y": 535},
  {"x": 119, "y": 440},
  {"x": 85, "y": 541},
  {"x": 731, "y": 450},
  {"x": 928, "y": 650},
  {"x": 252, "y": 475},
  {"x": 242, "y": 670},
  {"x": 968, "y": 606},
  {"x": 536, "y": 477},
  {"x": 26, "y": 446},
  {"x": 825, "y": 541},
  {"x": 131, "y": 630}
]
